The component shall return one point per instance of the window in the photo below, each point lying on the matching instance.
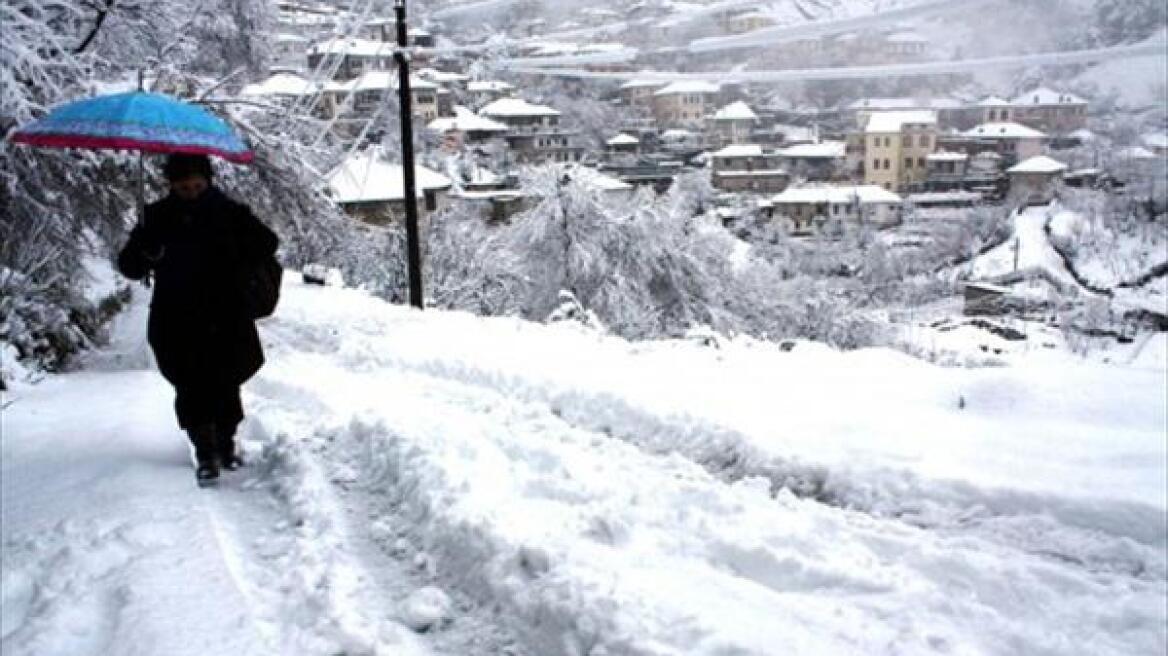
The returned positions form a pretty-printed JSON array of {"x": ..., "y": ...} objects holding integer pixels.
[
  {"x": 906, "y": 140},
  {"x": 887, "y": 164},
  {"x": 875, "y": 165},
  {"x": 924, "y": 141},
  {"x": 908, "y": 162},
  {"x": 921, "y": 162}
]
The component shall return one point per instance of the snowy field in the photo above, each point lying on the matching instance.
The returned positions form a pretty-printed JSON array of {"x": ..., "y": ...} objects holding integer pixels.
[{"x": 442, "y": 483}]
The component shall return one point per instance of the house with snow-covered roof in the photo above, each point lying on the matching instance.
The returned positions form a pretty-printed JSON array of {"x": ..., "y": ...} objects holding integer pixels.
[
  {"x": 819, "y": 161},
  {"x": 896, "y": 145},
  {"x": 385, "y": 30},
  {"x": 1013, "y": 141},
  {"x": 360, "y": 97},
  {"x": 466, "y": 126},
  {"x": 349, "y": 58},
  {"x": 482, "y": 92},
  {"x": 534, "y": 133},
  {"x": 748, "y": 168},
  {"x": 1050, "y": 111},
  {"x": 638, "y": 92},
  {"x": 810, "y": 206},
  {"x": 370, "y": 188},
  {"x": 945, "y": 170},
  {"x": 947, "y": 110},
  {"x": 624, "y": 143},
  {"x": 281, "y": 86},
  {"x": 732, "y": 123},
  {"x": 995, "y": 110},
  {"x": 447, "y": 79},
  {"x": 1036, "y": 181},
  {"x": 685, "y": 104}
]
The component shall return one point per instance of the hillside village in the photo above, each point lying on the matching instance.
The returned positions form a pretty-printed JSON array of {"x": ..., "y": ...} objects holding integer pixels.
[{"x": 865, "y": 159}]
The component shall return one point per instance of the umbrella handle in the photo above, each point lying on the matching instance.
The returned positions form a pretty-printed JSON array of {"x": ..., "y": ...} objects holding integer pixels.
[{"x": 141, "y": 189}]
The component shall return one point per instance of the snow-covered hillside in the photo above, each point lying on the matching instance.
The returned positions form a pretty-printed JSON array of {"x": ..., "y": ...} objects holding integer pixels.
[{"x": 528, "y": 489}]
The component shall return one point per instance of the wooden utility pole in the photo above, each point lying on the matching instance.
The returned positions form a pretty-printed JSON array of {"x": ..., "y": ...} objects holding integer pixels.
[{"x": 405, "y": 100}]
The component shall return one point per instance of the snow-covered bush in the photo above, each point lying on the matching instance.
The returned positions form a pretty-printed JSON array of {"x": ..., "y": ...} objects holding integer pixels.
[{"x": 47, "y": 325}]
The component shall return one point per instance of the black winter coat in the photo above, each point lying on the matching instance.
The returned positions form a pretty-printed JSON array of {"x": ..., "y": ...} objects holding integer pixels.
[{"x": 198, "y": 329}]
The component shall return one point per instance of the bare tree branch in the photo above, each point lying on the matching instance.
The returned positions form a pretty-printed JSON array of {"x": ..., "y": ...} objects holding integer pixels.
[{"x": 102, "y": 13}]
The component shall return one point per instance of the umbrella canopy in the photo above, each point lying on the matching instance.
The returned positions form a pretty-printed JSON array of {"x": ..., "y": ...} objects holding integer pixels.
[{"x": 146, "y": 122}]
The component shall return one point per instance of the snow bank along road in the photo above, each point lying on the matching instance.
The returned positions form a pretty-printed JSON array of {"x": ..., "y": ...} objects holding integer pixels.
[{"x": 516, "y": 488}]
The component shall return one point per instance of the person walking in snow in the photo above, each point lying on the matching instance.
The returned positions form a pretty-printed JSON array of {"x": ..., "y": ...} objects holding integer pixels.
[{"x": 197, "y": 243}]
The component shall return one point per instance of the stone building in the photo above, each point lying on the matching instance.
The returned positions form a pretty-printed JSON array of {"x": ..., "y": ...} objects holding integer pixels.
[{"x": 685, "y": 104}]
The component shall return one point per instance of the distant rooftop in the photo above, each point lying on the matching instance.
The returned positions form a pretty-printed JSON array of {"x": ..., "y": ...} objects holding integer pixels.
[
  {"x": 944, "y": 156},
  {"x": 994, "y": 101},
  {"x": 367, "y": 178},
  {"x": 623, "y": 140},
  {"x": 689, "y": 86},
  {"x": 895, "y": 121},
  {"x": 822, "y": 150},
  {"x": 465, "y": 120},
  {"x": 837, "y": 195},
  {"x": 353, "y": 48},
  {"x": 281, "y": 84},
  {"x": 740, "y": 150},
  {"x": 1039, "y": 164},
  {"x": 1004, "y": 131},
  {"x": 1045, "y": 96},
  {"x": 738, "y": 111},
  {"x": 506, "y": 107},
  {"x": 479, "y": 86}
]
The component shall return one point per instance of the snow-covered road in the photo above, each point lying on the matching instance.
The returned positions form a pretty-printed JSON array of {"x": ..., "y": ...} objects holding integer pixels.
[{"x": 564, "y": 492}]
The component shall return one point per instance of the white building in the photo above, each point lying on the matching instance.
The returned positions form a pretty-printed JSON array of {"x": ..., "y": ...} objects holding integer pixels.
[
  {"x": 466, "y": 126},
  {"x": 733, "y": 123},
  {"x": 811, "y": 206},
  {"x": 534, "y": 130},
  {"x": 1010, "y": 140}
]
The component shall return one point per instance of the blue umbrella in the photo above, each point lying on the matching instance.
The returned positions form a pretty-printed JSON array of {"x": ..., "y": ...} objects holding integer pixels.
[
  {"x": 145, "y": 122},
  {"x": 137, "y": 120}
]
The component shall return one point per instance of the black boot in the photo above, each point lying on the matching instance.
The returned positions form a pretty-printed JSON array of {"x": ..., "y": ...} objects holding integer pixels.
[
  {"x": 225, "y": 447},
  {"x": 206, "y": 453}
]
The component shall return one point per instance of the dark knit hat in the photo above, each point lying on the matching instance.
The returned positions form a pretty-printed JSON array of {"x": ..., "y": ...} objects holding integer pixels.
[{"x": 180, "y": 166}]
